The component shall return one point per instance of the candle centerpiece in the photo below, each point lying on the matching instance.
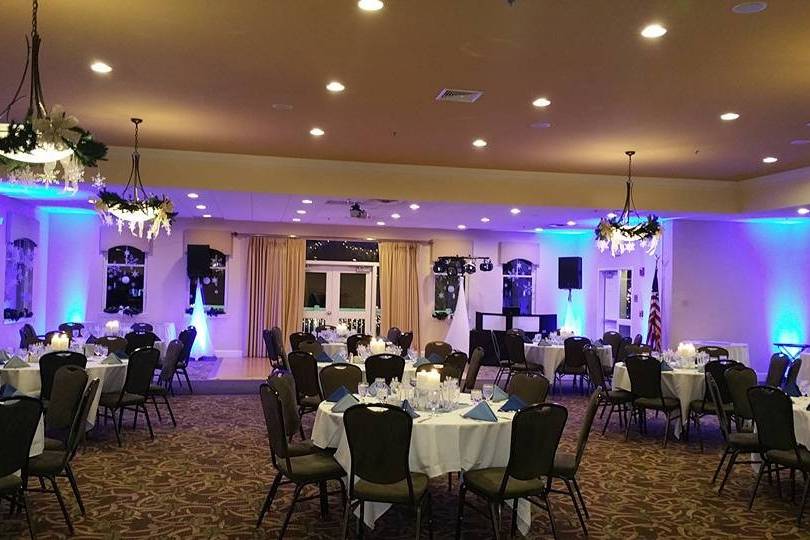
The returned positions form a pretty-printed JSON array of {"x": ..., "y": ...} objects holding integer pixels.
[
  {"x": 342, "y": 329},
  {"x": 112, "y": 328},
  {"x": 428, "y": 381},
  {"x": 60, "y": 342},
  {"x": 376, "y": 346}
]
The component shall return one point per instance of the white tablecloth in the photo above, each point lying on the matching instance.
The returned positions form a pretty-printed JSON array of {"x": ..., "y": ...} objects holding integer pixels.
[
  {"x": 111, "y": 379},
  {"x": 804, "y": 371},
  {"x": 439, "y": 445},
  {"x": 736, "y": 351},
  {"x": 685, "y": 384},
  {"x": 801, "y": 420},
  {"x": 552, "y": 356},
  {"x": 333, "y": 348},
  {"x": 407, "y": 375}
]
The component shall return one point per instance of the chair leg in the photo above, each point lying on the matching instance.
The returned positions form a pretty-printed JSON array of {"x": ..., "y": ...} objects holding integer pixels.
[
  {"x": 756, "y": 484},
  {"x": 581, "y": 498},
  {"x": 627, "y": 428},
  {"x": 550, "y": 516},
  {"x": 720, "y": 465},
  {"x": 666, "y": 431},
  {"x": 361, "y": 523},
  {"x": 290, "y": 511},
  {"x": 462, "y": 491},
  {"x": 188, "y": 381},
  {"x": 323, "y": 499},
  {"x": 418, "y": 521},
  {"x": 576, "y": 506},
  {"x": 513, "y": 530},
  {"x": 61, "y": 500},
  {"x": 612, "y": 407},
  {"x": 169, "y": 407},
  {"x": 157, "y": 411},
  {"x": 347, "y": 512},
  {"x": 699, "y": 432},
  {"x": 730, "y": 465},
  {"x": 117, "y": 426},
  {"x": 148, "y": 421},
  {"x": 75, "y": 487},
  {"x": 430, "y": 516},
  {"x": 493, "y": 513},
  {"x": 27, "y": 504},
  {"x": 271, "y": 494},
  {"x": 801, "y": 506}
]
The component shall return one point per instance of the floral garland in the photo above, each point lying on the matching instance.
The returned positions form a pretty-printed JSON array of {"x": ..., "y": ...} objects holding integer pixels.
[
  {"x": 620, "y": 236},
  {"x": 109, "y": 202}
]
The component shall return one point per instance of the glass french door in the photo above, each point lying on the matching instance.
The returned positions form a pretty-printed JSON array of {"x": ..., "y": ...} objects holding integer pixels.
[
  {"x": 340, "y": 293},
  {"x": 617, "y": 287}
]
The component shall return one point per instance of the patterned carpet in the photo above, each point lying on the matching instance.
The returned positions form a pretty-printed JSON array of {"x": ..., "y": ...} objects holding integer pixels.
[{"x": 208, "y": 479}]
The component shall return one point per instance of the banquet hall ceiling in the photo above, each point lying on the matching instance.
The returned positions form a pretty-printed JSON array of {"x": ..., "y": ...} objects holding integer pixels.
[{"x": 205, "y": 77}]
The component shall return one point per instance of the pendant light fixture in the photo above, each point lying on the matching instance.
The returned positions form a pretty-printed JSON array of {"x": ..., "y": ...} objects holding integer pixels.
[
  {"x": 46, "y": 145},
  {"x": 134, "y": 207},
  {"x": 621, "y": 232}
]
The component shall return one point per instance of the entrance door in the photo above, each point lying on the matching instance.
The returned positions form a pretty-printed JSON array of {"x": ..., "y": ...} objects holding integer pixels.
[
  {"x": 616, "y": 287},
  {"x": 340, "y": 294}
]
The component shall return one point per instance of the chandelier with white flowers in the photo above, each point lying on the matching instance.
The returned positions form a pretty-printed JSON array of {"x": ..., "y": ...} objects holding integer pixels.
[
  {"x": 136, "y": 208},
  {"x": 46, "y": 145},
  {"x": 621, "y": 232}
]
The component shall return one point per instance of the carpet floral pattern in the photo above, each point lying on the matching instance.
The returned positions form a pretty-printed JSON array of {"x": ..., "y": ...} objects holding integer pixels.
[{"x": 208, "y": 478}]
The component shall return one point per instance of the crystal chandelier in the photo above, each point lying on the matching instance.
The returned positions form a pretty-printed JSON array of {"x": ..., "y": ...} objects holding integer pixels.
[
  {"x": 620, "y": 233},
  {"x": 136, "y": 209},
  {"x": 46, "y": 145}
]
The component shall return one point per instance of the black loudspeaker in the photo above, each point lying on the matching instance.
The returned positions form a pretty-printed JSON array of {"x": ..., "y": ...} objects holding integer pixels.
[
  {"x": 569, "y": 273},
  {"x": 198, "y": 260}
]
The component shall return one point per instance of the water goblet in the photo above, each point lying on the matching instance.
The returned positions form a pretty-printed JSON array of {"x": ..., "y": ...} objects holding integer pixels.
[
  {"x": 488, "y": 391},
  {"x": 475, "y": 395},
  {"x": 362, "y": 390},
  {"x": 433, "y": 401}
]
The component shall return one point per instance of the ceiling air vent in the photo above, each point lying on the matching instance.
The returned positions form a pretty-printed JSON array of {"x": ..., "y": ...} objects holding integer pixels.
[{"x": 459, "y": 96}]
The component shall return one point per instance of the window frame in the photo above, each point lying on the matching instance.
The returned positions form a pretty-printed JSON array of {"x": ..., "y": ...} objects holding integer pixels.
[
  {"x": 105, "y": 264},
  {"x": 531, "y": 276},
  {"x": 224, "y": 306}
]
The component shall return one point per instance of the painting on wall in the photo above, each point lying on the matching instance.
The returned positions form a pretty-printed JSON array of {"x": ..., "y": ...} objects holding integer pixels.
[{"x": 19, "y": 290}]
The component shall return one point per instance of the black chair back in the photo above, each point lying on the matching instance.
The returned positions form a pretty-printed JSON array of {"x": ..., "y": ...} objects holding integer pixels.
[
  {"x": 19, "y": 419},
  {"x": 312, "y": 347},
  {"x": 284, "y": 385},
  {"x": 50, "y": 362},
  {"x": 304, "y": 370},
  {"x": 386, "y": 366},
  {"x": 72, "y": 329},
  {"x": 141, "y": 370},
  {"x": 142, "y": 327},
  {"x": 297, "y": 338},
  {"x": 82, "y": 420},
  {"x": 28, "y": 336},
  {"x": 274, "y": 421},
  {"x": 714, "y": 352},
  {"x": 269, "y": 347},
  {"x": 405, "y": 341},
  {"x": 637, "y": 339},
  {"x": 587, "y": 423},
  {"x": 393, "y": 335},
  {"x": 531, "y": 389},
  {"x": 594, "y": 366},
  {"x": 187, "y": 337},
  {"x": 472, "y": 371},
  {"x": 574, "y": 354},
  {"x": 457, "y": 360},
  {"x": 278, "y": 343},
  {"x": 113, "y": 344},
  {"x": 69, "y": 383},
  {"x": 536, "y": 433},
  {"x": 354, "y": 340},
  {"x": 173, "y": 351},
  {"x": 139, "y": 340},
  {"x": 440, "y": 348},
  {"x": 614, "y": 339},
  {"x": 645, "y": 376},
  {"x": 514, "y": 348},
  {"x": 714, "y": 393},
  {"x": 776, "y": 369},
  {"x": 773, "y": 416},
  {"x": 738, "y": 380},
  {"x": 334, "y": 376},
  {"x": 718, "y": 369},
  {"x": 630, "y": 350},
  {"x": 793, "y": 373}
]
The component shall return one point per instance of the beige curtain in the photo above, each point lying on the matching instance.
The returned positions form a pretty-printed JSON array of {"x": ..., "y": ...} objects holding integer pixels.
[
  {"x": 399, "y": 288},
  {"x": 276, "y": 269}
]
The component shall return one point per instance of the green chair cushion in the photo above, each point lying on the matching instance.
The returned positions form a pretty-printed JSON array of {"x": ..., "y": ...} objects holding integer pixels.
[
  {"x": 487, "y": 483},
  {"x": 312, "y": 467},
  {"x": 669, "y": 403},
  {"x": 48, "y": 463},
  {"x": 396, "y": 493},
  {"x": 746, "y": 442},
  {"x": 54, "y": 444},
  {"x": 789, "y": 458},
  {"x": 619, "y": 396},
  {"x": 565, "y": 465},
  {"x": 311, "y": 401},
  {"x": 110, "y": 399},
  {"x": 10, "y": 483},
  {"x": 302, "y": 448},
  {"x": 708, "y": 407}
]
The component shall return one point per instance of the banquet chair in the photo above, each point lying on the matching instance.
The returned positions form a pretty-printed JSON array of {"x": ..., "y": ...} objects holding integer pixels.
[
  {"x": 324, "y": 328},
  {"x": 776, "y": 369},
  {"x": 49, "y": 363},
  {"x": 566, "y": 465},
  {"x": 69, "y": 383},
  {"x": 187, "y": 338},
  {"x": 114, "y": 344},
  {"x": 163, "y": 387},
  {"x": 773, "y": 416},
  {"x": 132, "y": 397},
  {"x": 304, "y": 370},
  {"x": 334, "y": 376},
  {"x": 792, "y": 375},
  {"x": 440, "y": 348},
  {"x": 536, "y": 433},
  {"x": 53, "y": 464},
  {"x": 138, "y": 340},
  {"x": 645, "y": 380},
  {"x": 386, "y": 366},
  {"x": 517, "y": 358},
  {"x": 142, "y": 327},
  {"x": 404, "y": 342},
  {"x": 317, "y": 467},
  {"x": 379, "y": 469},
  {"x": 735, "y": 443},
  {"x": 296, "y": 338},
  {"x": 354, "y": 340},
  {"x": 637, "y": 339},
  {"x": 574, "y": 362},
  {"x": 614, "y": 339},
  {"x": 19, "y": 419},
  {"x": 739, "y": 379},
  {"x": 284, "y": 385},
  {"x": 393, "y": 335},
  {"x": 714, "y": 352},
  {"x": 473, "y": 369},
  {"x": 444, "y": 370},
  {"x": 72, "y": 329},
  {"x": 702, "y": 407},
  {"x": 529, "y": 387},
  {"x": 270, "y": 350},
  {"x": 458, "y": 361},
  {"x": 278, "y": 343},
  {"x": 28, "y": 336},
  {"x": 617, "y": 399},
  {"x": 312, "y": 347}
]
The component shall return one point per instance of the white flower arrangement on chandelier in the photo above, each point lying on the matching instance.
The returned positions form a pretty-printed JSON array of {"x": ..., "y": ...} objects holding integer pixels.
[{"x": 620, "y": 234}]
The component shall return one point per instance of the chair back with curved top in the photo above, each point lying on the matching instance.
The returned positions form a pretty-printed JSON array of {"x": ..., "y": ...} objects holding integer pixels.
[
  {"x": 574, "y": 354},
  {"x": 187, "y": 337},
  {"x": 714, "y": 394},
  {"x": 405, "y": 341},
  {"x": 173, "y": 351},
  {"x": 113, "y": 344},
  {"x": 334, "y": 376},
  {"x": 793, "y": 373},
  {"x": 141, "y": 370},
  {"x": 645, "y": 376},
  {"x": 19, "y": 419},
  {"x": 536, "y": 433},
  {"x": 269, "y": 347},
  {"x": 587, "y": 423},
  {"x": 718, "y": 369},
  {"x": 714, "y": 352},
  {"x": 139, "y": 340},
  {"x": 312, "y": 347},
  {"x": 50, "y": 362},
  {"x": 776, "y": 369},
  {"x": 72, "y": 329},
  {"x": 379, "y": 438},
  {"x": 284, "y": 385},
  {"x": 637, "y": 339},
  {"x": 773, "y": 416},
  {"x": 530, "y": 388},
  {"x": 472, "y": 371},
  {"x": 393, "y": 335},
  {"x": 304, "y": 370},
  {"x": 440, "y": 348},
  {"x": 615, "y": 340},
  {"x": 296, "y": 338},
  {"x": 142, "y": 327},
  {"x": 457, "y": 360},
  {"x": 28, "y": 336},
  {"x": 69, "y": 383},
  {"x": 278, "y": 343},
  {"x": 514, "y": 348},
  {"x": 738, "y": 380},
  {"x": 354, "y": 340},
  {"x": 594, "y": 367},
  {"x": 386, "y": 366},
  {"x": 81, "y": 420},
  {"x": 274, "y": 421}
]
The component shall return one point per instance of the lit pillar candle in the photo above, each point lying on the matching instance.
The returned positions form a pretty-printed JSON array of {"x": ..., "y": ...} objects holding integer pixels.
[
  {"x": 341, "y": 329},
  {"x": 427, "y": 381},
  {"x": 60, "y": 342},
  {"x": 686, "y": 350},
  {"x": 112, "y": 328},
  {"x": 377, "y": 346}
]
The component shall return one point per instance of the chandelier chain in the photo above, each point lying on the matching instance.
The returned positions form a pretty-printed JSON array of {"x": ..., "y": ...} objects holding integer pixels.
[{"x": 34, "y": 18}]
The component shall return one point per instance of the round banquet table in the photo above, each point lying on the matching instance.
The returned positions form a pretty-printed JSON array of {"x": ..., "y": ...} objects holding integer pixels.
[
  {"x": 804, "y": 370},
  {"x": 736, "y": 351},
  {"x": 551, "y": 356},
  {"x": 685, "y": 384},
  {"x": 440, "y": 444},
  {"x": 111, "y": 379},
  {"x": 407, "y": 375},
  {"x": 801, "y": 420}
]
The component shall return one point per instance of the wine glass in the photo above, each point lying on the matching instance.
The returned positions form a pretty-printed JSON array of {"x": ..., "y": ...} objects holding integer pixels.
[
  {"x": 488, "y": 391},
  {"x": 433, "y": 401},
  {"x": 362, "y": 389},
  {"x": 475, "y": 395}
]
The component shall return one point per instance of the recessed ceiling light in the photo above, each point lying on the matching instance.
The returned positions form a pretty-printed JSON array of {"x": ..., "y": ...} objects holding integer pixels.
[
  {"x": 100, "y": 67},
  {"x": 653, "y": 31},
  {"x": 611, "y": 215},
  {"x": 200, "y": 207},
  {"x": 770, "y": 159},
  {"x": 206, "y": 215},
  {"x": 370, "y": 239},
  {"x": 570, "y": 222},
  {"x": 335, "y": 86},
  {"x": 540, "y": 125},
  {"x": 461, "y": 227},
  {"x": 479, "y": 143},
  {"x": 538, "y": 229},
  {"x": 296, "y": 219},
  {"x": 414, "y": 206},
  {"x": 316, "y": 132},
  {"x": 541, "y": 102},
  {"x": 747, "y": 8},
  {"x": 301, "y": 212},
  {"x": 514, "y": 211},
  {"x": 395, "y": 216},
  {"x": 380, "y": 223},
  {"x": 803, "y": 211},
  {"x": 798, "y": 142},
  {"x": 192, "y": 195},
  {"x": 370, "y": 5},
  {"x": 484, "y": 220},
  {"x": 293, "y": 236},
  {"x": 729, "y": 116},
  {"x": 306, "y": 201}
]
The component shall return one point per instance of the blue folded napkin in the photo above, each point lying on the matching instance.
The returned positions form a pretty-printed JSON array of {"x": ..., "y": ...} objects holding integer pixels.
[
  {"x": 319, "y": 339},
  {"x": 498, "y": 394},
  {"x": 7, "y": 391},
  {"x": 514, "y": 403},
  {"x": 338, "y": 394},
  {"x": 421, "y": 362},
  {"x": 665, "y": 367},
  {"x": 323, "y": 357},
  {"x": 408, "y": 408},
  {"x": 16, "y": 362},
  {"x": 339, "y": 358},
  {"x": 346, "y": 402},
  {"x": 434, "y": 358},
  {"x": 481, "y": 412},
  {"x": 112, "y": 359}
]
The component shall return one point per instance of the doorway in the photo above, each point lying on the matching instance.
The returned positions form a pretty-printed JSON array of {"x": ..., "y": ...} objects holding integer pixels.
[
  {"x": 341, "y": 293},
  {"x": 616, "y": 286}
]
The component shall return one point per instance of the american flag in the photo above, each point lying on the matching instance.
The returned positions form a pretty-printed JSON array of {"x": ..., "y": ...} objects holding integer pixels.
[{"x": 654, "y": 326}]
